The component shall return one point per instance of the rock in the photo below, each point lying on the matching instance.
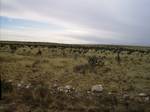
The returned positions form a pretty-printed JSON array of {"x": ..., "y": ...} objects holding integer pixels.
[
  {"x": 28, "y": 86},
  {"x": 68, "y": 88},
  {"x": 55, "y": 85},
  {"x": 10, "y": 81},
  {"x": 142, "y": 94},
  {"x": 60, "y": 89},
  {"x": 19, "y": 85},
  {"x": 97, "y": 88},
  {"x": 125, "y": 96},
  {"x": 88, "y": 92},
  {"x": 146, "y": 99},
  {"x": 110, "y": 93},
  {"x": 22, "y": 82}
]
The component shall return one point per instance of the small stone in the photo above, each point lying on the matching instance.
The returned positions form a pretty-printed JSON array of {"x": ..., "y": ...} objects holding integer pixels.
[
  {"x": 146, "y": 99},
  {"x": 125, "y": 96},
  {"x": 88, "y": 92},
  {"x": 19, "y": 85},
  {"x": 97, "y": 88},
  {"x": 28, "y": 86},
  {"x": 9, "y": 80},
  {"x": 22, "y": 82},
  {"x": 109, "y": 93},
  {"x": 55, "y": 85},
  {"x": 142, "y": 94},
  {"x": 68, "y": 87},
  {"x": 60, "y": 89}
]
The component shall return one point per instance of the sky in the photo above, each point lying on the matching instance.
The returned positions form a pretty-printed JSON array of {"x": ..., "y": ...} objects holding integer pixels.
[{"x": 123, "y": 22}]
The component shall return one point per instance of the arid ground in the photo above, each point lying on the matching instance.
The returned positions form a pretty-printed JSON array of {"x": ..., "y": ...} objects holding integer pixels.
[{"x": 46, "y": 77}]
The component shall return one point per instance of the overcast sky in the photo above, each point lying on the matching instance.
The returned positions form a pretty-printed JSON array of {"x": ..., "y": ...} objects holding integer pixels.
[{"x": 76, "y": 21}]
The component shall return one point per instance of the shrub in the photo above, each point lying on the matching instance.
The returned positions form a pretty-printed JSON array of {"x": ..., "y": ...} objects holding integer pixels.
[
  {"x": 81, "y": 68},
  {"x": 36, "y": 63},
  {"x": 6, "y": 86},
  {"x": 95, "y": 61},
  {"x": 41, "y": 95}
]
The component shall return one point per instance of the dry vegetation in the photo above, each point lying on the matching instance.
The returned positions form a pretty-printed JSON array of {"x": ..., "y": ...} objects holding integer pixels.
[{"x": 38, "y": 77}]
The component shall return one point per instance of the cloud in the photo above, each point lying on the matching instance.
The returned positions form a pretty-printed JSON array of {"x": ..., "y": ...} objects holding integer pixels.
[
  {"x": 38, "y": 36},
  {"x": 95, "y": 21}
]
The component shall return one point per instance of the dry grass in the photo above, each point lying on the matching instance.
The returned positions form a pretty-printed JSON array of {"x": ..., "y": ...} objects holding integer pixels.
[{"x": 81, "y": 68}]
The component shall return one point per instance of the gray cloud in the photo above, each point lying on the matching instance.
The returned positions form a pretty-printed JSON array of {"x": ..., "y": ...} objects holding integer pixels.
[{"x": 105, "y": 21}]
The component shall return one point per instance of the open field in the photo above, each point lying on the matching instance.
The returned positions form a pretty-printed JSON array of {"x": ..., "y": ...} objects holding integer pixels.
[{"x": 44, "y": 77}]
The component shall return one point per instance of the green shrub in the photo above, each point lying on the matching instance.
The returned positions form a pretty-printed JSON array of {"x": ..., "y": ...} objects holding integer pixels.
[
  {"x": 96, "y": 61},
  {"x": 6, "y": 86}
]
